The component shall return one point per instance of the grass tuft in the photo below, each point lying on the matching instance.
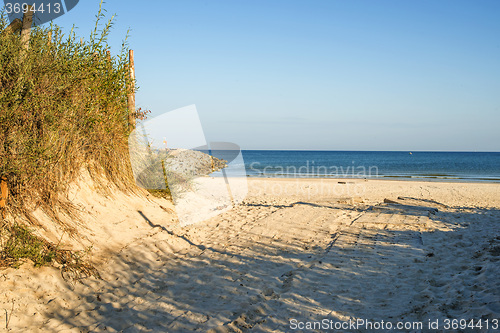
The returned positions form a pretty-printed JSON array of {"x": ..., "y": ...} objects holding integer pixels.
[{"x": 22, "y": 244}]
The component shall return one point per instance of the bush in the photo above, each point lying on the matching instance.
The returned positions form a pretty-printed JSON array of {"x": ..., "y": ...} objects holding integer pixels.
[
  {"x": 22, "y": 244},
  {"x": 63, "y": 106},
  {"x": 18, "y": 243}
]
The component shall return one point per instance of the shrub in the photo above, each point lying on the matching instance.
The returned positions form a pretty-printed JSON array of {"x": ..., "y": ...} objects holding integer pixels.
[
  {"x": 22, "y": 244},
  {"x": 63, "y": 106}
]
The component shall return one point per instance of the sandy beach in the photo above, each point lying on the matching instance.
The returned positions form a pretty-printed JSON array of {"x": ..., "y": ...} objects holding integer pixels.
[
  {"x": 244, "y": 166},
  {"x": 296, "y": 253}
]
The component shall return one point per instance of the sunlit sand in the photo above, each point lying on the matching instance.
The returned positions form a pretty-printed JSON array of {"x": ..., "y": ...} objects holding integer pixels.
[{"x": 279, "y": 259}]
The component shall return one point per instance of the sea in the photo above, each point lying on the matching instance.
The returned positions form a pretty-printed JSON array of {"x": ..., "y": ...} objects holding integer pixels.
[{"x": 432, "y": 166}]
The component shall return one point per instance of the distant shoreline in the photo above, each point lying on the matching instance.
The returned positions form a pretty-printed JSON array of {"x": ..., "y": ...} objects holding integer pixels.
[
  {"x": 375, "y": 151},
  {"x": 390, "y": 178},
  {"x": 419, "y": 166}
]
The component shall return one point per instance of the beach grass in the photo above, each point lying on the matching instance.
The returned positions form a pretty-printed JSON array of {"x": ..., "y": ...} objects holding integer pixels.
[{"x": 63, "y": 108}]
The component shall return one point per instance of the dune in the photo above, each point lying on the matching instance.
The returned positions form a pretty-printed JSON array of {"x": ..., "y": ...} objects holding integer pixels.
[{"x": 295, "y": 255}]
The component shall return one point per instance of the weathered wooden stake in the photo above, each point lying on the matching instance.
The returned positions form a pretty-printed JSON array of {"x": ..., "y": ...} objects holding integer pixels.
[
  {"x": 26, "y": 29},
  {"x": 14, "y": 27},
  {"x": 131, "y": 93},
  {"x": 5, "y": 194}
]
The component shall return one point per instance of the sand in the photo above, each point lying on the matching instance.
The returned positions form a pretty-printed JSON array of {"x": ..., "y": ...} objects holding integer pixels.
[{"x": 295, "y": 252}]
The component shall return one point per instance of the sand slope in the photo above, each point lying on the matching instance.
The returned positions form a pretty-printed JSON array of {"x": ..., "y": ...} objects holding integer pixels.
[{"x": 304, "y": 255}]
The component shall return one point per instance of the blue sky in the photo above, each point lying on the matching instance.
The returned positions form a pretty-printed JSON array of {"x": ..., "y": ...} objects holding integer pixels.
[{"x": 333, "y": 75}]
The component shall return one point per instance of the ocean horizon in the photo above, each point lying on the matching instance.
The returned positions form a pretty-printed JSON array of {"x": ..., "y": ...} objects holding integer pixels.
[{"x": 415, "y": 165}]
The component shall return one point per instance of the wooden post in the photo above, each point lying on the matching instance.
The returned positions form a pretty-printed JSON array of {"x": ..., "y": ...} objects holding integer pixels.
[
  {"x": 5, "y": 194},
  {"x": 131, "y": 93},
  {"x": 14, "y": 27},
  {"x": 26, "y": 29}
]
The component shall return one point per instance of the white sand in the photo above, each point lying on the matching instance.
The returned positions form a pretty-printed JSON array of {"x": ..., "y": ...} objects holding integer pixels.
[{"x": 296, "y": 249}]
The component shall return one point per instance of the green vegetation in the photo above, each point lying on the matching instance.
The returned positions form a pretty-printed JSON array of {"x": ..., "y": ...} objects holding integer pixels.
[
  {"x": 22, "y": 244},
  {"x": 18, "y": 244},
  {"x": 63, "y": 107}
]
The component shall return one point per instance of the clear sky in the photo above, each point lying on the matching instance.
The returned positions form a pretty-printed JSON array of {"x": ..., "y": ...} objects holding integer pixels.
[{"x": 329, "y": 74}]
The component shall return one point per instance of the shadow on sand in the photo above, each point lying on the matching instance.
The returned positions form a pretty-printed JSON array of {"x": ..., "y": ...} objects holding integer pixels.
[{"x": 247, "y": 280}]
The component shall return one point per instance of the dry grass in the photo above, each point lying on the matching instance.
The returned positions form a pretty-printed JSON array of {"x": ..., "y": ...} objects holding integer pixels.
[{"x": 63, "y": 107}]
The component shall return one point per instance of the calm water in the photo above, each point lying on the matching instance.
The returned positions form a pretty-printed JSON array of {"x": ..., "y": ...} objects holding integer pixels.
[{"x": 465, "y": 166}]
